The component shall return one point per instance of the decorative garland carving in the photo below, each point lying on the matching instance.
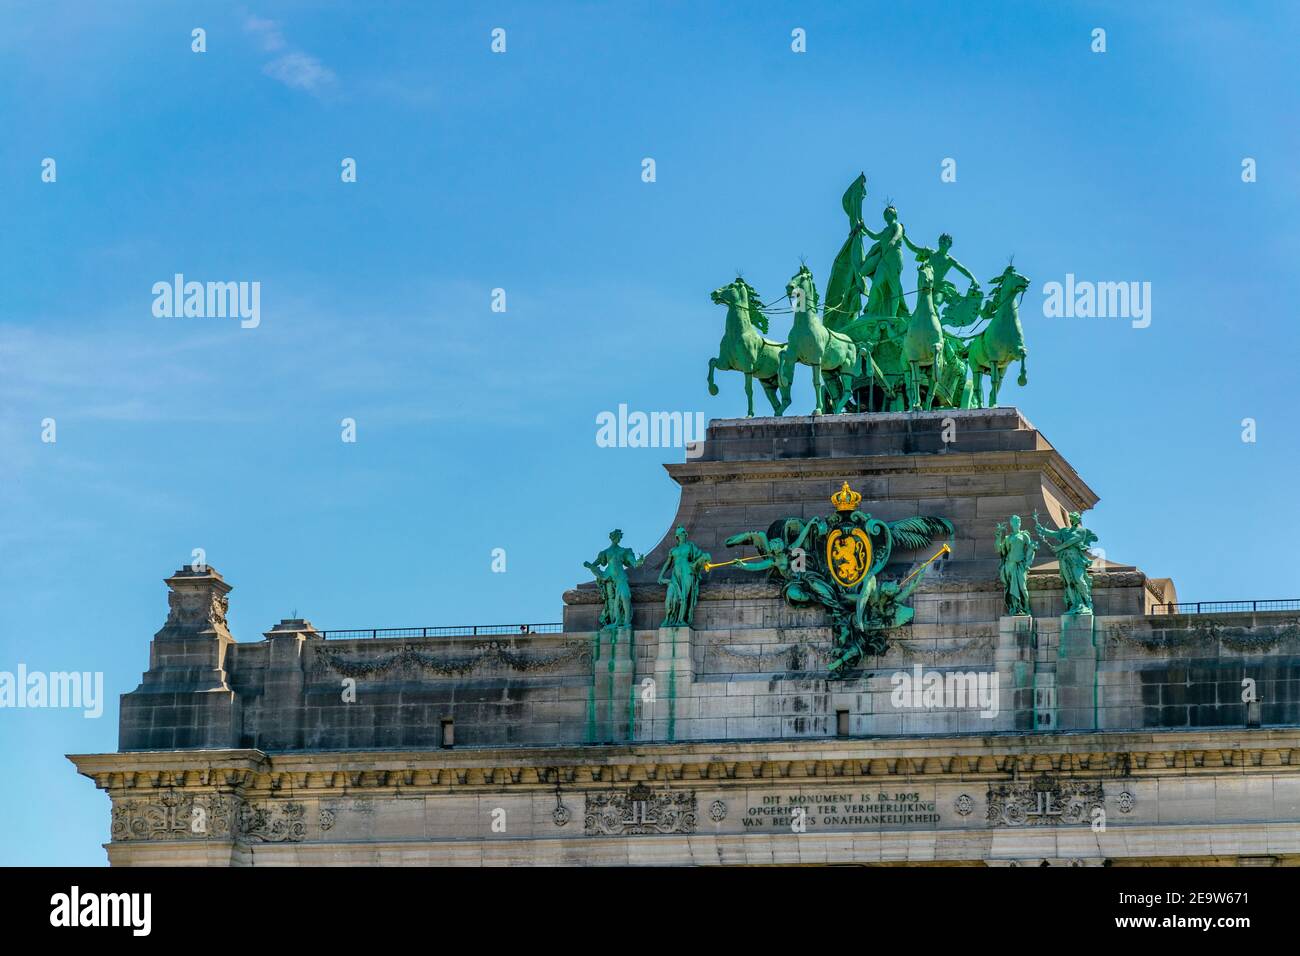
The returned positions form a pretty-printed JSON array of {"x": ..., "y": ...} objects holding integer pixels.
[
  {"x": 980, "y": 642},
  {"x": 793, "y": 652},
  {"x": 1234, "y": 637},
  {"x": 411, "y": 657}
]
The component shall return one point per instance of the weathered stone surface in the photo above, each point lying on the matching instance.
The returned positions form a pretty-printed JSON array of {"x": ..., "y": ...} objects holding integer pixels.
[{"x": 702, "y": 744}]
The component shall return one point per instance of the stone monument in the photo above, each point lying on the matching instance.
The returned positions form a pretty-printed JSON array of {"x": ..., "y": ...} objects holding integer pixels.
[{"x": 844, "y": 649}]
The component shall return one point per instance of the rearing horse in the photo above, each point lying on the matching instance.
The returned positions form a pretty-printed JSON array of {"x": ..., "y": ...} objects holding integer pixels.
[
  {"x": 1003, "y": 341},
  {"x": 834, "y": 358},
  {"x": 743, "y": 349}
]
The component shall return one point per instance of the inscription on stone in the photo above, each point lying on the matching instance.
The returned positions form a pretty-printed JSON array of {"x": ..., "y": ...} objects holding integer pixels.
[{"x": 840, "y": 810}]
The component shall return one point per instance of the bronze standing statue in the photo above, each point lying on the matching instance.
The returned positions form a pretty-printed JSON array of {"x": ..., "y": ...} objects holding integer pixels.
[
  {"x": 681, "y": 572},
  {"x": 610, "y": 568},
  {"x": 1070, "y": 545},
  {"x": 1016, "y": 553}
]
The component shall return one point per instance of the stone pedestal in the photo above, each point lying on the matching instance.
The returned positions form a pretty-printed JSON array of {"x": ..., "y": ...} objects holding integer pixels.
[
  {"x": 186, "y": 679},
  {"x": 612, "y": 708},
  {"x": 1076, "y": 673},
  {"x": 974, "y": 467},
  {"x": 673, "y": 675},
  {"x": 1015, "y": 657},
  {"x": 285, "y": 682}
]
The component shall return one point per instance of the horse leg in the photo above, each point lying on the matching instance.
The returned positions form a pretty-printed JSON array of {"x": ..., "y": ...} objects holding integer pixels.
[
  {"x": 846, "y": 390},
  {"x": 769, "y": 388},
  {"x": 1023, "y": 380},
  {"x": 785, "y": 368},
  {"x": 936, "y": 376},
  {"x": 817, "y": 389},
  {"x": 713, "y": 389},
  {"x": 749, "y": 393},
  {"x": 977, "y": 390},
  {"x": 785, "y": 394},
  {"x": 995, "y": 382},
  {"x": 914, "y": 387}
]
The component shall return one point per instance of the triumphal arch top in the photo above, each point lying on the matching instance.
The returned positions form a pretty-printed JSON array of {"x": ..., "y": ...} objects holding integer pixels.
[{"x": 879, "y": 633}]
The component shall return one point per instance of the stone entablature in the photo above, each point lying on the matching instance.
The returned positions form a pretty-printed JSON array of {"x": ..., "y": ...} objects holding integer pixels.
[
  {"x": 999, "y": 799},
  {"x": 702, "y": 743}
]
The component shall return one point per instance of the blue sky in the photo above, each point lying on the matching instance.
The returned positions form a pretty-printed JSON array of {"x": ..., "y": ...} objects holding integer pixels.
[{"x": 522, "y": 171}]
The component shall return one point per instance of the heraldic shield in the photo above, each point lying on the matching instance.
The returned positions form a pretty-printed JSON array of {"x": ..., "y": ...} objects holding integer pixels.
[{"x": 848, "y": 555}]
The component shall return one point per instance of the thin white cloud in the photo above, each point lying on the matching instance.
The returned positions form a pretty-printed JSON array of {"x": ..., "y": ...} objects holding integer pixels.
[
  {"x": 300, "y": 72},
  {"x": 294, "y": 68},
  {"x": 267, "y": 33}
]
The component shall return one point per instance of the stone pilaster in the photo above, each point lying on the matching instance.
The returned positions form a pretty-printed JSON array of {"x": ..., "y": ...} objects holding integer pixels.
[
  {"x": 1076, "y": 674},
  {"x": 284, "y": 682},
  {"x": 673, "y": 674},
  {"x": 1015, "y": 657},
  {"x": 612, "y": 710}
]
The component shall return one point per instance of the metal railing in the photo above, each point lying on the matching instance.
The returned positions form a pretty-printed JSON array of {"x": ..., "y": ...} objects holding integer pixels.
[
  {"x": 469, "y": 630},
  {"x": 1227, "y": 607}
]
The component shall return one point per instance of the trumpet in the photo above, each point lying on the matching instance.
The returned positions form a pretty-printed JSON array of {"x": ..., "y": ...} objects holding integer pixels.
[{"x": 723, "y": 564}]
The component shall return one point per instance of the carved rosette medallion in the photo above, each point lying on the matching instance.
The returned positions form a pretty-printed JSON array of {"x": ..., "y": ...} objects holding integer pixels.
[
  {"x": 1045, "y": 801},
  {"x": 640, "y": 810}
]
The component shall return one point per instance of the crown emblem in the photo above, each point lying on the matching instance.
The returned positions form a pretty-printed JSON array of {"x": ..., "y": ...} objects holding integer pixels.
[{"x": 846, "y": 499}]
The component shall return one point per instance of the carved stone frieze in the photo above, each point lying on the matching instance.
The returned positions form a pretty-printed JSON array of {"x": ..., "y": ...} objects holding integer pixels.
[
  {"x": 1044, "y": 801},
  {"x": 175, "y": 815},
  {"x": 640, "y": 810},
  {"x": 273, "y": 821}
]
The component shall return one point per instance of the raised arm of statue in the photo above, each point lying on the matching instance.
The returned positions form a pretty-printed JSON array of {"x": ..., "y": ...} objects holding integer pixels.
[
  {"x": 757, "y": 538},
  {"x": 915, "y": 248},
  {"x": 964, "y": 271}
]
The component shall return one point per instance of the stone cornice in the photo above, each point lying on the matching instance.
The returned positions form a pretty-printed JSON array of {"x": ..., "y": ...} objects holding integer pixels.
[
  {"x": 963, "y": 758},
  {"x": 1046, "y": 460}
]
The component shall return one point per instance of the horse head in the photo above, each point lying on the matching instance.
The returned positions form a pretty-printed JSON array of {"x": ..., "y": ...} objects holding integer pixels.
[
  {"x": 924, "y": 278},
  {"x": 802, "y": 291},
  {"x": 730, "y": 294},
  {"x": 741, "y": 298}
]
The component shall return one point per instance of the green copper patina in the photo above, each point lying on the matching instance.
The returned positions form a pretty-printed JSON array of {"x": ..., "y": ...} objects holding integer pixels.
[
  {"x": 681, "y": 572},
  {"x": 1003, "y": 341},
  {"x": 1070, "y": 546},
  {"x": 834, "y": 358},
  {"x": 745, "y": 349},
  {"x": 833, "y": 563},
  {"x": 846, "y": 285},
  {"x": 1016, "y": 552},
  {"x": 610, "y": 568},
  {"x": 884, "y": 356}
]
